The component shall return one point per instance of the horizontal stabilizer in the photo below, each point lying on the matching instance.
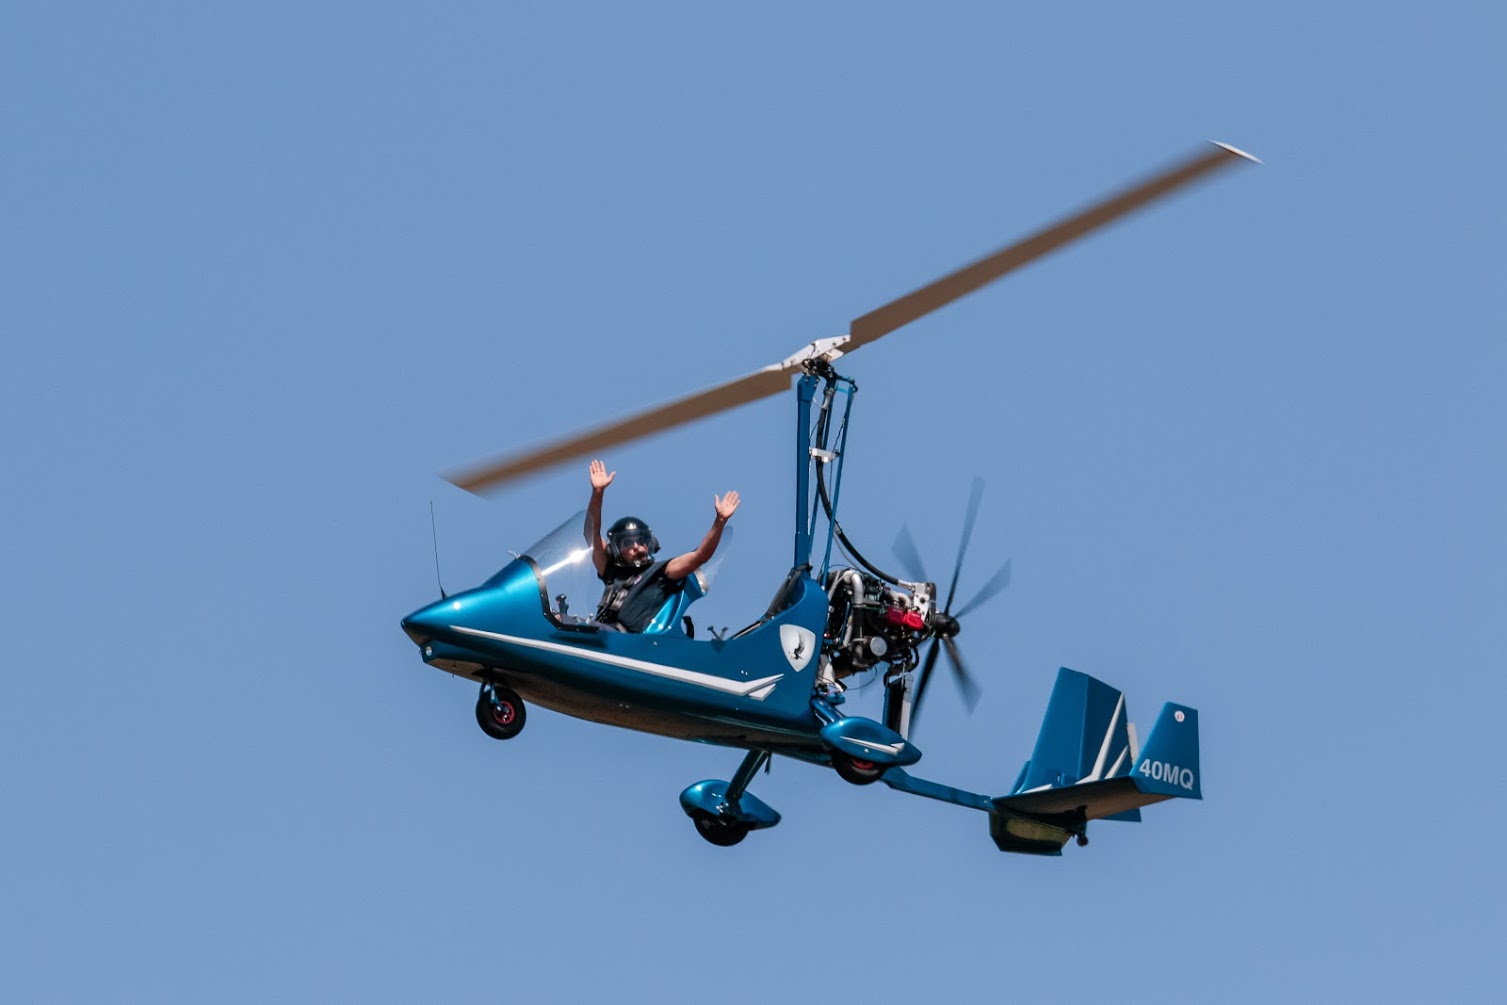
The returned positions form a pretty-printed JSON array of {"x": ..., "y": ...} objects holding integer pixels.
[{"x": 1088, "y": 801}]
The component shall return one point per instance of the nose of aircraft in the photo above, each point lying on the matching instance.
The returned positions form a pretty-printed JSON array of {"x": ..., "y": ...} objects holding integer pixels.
[{"x": 424, "y": 623}]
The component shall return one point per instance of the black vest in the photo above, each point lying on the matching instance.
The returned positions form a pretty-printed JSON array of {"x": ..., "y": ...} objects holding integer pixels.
[{"x": 632, "y": 596}]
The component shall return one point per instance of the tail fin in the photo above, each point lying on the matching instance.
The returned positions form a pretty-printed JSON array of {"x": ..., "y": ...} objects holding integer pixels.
[
  {"x": 1169, "y": 764},
  {"x": 1084, "y": 736},
  {"x": 1085, "y": 767}
]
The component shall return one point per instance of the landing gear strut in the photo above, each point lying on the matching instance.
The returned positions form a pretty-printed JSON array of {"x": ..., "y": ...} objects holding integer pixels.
[
  {"x": 499, "y": 712},
  {"x": 724, "y": 812}
]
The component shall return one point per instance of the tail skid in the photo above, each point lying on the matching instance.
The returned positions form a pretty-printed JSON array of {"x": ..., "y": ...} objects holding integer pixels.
[{"x": 1085, "y": 766}]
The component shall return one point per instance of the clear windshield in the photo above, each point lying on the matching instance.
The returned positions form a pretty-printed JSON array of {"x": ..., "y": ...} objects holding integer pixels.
[{"x": 564, "y": 561}]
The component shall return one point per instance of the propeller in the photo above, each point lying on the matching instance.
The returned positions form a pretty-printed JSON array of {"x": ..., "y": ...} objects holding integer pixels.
[
  {"x": 777, "y": 378},
  {"x": 944, "y": 624}
]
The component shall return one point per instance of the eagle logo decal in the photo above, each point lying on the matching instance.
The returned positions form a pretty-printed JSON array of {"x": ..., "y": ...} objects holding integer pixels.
[{"x": 799, "y": 645}]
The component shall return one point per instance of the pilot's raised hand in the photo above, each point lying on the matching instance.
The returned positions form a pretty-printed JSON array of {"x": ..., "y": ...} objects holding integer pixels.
[
  {"x": 600, "y": 478},
  {"x": 726, "y": 505}
]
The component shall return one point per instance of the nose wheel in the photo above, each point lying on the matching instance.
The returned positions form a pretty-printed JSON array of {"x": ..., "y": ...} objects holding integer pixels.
[{"x": 499, "y": 712}]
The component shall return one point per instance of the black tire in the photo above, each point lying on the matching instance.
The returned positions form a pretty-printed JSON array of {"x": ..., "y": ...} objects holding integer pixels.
[
  {"x": 724, "y": 832},
  {"x": 851, "y": 769},
  {"x": 500, "y": 713}
]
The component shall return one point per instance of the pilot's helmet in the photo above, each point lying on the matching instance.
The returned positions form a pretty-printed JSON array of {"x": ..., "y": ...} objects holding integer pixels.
[{"x": 630, "y": 530}]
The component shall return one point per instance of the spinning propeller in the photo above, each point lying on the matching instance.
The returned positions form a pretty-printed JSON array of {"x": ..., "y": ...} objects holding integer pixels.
[
  {"x": 777, "y": 378},
  {"x": 943, "y": 623}
]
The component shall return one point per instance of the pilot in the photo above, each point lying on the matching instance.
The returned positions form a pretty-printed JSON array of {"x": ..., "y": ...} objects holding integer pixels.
[{"x": 637, "y": 586}]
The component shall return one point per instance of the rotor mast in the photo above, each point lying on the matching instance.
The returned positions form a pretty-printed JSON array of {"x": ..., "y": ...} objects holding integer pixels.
[{"x": 818, "y": 444}]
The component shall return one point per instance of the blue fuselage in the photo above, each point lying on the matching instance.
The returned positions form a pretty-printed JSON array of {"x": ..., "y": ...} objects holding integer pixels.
[{"x": 753, "y": 689}]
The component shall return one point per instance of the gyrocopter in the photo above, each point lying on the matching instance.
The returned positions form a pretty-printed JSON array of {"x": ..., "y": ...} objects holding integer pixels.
[{"x": 776, "y": 686}]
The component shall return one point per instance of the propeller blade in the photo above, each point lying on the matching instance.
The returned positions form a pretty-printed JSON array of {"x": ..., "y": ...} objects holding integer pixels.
[
  {"x": 975, "y": 497},
  {"x": 763, "y": 383},
  {"x": 919, "y": 303},
  {"x": 960, "y": 671},
  {"x": 1000, "y": 580},
  {"x": 921, "y": 680},
  {"x": 910, "y": 558}
]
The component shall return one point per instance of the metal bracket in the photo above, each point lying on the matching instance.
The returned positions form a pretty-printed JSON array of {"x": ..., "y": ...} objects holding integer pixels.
[{"x": 823, "y": 350}]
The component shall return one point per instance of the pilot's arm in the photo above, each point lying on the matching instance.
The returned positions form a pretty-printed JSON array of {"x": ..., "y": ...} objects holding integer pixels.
[
  {"x": 600, "y": 479},
  {"x": 682, "y": 566}
]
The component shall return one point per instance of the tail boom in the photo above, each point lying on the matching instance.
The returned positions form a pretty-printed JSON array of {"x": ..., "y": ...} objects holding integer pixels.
[{"x": 1085, "y": 766}]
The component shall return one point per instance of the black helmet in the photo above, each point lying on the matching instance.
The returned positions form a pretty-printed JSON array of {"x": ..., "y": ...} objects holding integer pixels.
[{"x": 626, "y": 531}]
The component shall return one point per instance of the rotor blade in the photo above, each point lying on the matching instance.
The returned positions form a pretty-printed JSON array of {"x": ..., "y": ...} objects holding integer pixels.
[
  {"x": 999, "y": 582},
  {"x": 986, "y": 270},
  {"x": 763, "y": 383},
  {"x": 965, "y": 679},
  {"x": 921, "y": 679},
  {"x": 975, "y": 496},
  {"x": 910, "y": 558}
]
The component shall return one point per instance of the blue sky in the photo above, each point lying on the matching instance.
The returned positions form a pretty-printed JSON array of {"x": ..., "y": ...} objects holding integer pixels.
[{"x": 269, "y": 269}]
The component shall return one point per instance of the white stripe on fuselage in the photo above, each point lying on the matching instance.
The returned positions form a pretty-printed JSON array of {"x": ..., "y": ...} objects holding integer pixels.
[
  {"x": 741, "y": 688},
  {"x": 887, "y": 748}
]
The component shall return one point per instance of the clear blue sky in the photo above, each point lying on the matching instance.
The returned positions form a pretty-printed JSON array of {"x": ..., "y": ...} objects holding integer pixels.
[{"x": 267, "y": 269}]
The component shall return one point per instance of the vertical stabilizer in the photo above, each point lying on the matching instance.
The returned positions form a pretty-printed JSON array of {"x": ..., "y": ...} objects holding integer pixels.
[
  {"x": 1168, "y": 764},
  {"x": 1083, "y": 738}
]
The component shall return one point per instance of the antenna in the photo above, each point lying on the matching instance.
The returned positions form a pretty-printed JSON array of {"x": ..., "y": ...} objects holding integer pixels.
[{"x": 434, "y": 534}]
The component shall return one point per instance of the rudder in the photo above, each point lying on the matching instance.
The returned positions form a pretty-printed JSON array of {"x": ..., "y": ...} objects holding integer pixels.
[
  {"x": 1084, "y": 735},
  {"x": 1168, "y": 764}
]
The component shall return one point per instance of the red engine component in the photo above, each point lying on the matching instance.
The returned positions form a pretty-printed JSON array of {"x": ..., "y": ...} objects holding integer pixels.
[{"x": 902, "y": 618}]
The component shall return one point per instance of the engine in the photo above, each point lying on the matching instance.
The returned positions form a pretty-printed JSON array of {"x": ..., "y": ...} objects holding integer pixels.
[{"x": 870, "y": 621}]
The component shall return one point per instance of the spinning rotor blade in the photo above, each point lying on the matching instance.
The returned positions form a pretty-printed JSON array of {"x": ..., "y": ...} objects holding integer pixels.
[
  {"x": 964, "y": 281},
  {"x": 960, "y": 671},
  {"x": 922, "y": 678},
  {"x": 763, "y": 383},
  {"x": 1000, "y": 580},
  {"x": 944, "y": 624},
  {"x": 776, "y": 379},
  {"x": 975, "y": 496},
  {"x": 966, "y": 685},
  {"x": 910, "y": 558}
]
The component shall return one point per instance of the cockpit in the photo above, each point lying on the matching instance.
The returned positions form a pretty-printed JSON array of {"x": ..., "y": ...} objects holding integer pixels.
[{"x": 571, "y": 588}]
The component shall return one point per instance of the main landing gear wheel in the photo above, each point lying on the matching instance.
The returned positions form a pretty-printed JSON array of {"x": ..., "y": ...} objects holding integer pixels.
[
  {"x": 499, "y": 712},
  {"x": 852, "y": 769},
  {"x": 724, "y": 832}
]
